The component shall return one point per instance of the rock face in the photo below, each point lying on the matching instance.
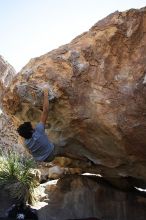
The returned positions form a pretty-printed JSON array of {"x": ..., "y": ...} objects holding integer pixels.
[
  {"x": 97, "y": 87},
  {"x": 8, "y": 135},
  {"x": 81, "y": 197},
  {"x": 9, "y": 138},
  {"x": 7, "y": 72}
]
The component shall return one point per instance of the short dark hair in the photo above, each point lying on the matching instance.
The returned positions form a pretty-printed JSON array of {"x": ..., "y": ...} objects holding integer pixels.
[{"x": 25, "y": 130}]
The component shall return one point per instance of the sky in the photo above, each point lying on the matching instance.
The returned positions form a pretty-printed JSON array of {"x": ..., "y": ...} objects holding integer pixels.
[{"x": 31, "y": 28}]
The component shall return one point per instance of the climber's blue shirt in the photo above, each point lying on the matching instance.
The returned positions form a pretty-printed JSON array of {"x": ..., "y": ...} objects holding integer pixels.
[{"x": 39, "y": 144}]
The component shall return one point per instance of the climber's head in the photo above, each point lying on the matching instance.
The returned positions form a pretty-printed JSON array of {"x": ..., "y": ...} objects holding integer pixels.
[{"x": 25, "y": 130}]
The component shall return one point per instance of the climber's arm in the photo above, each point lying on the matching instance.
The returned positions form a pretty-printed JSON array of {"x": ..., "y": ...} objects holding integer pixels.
[{"x": 44, "y": 114}]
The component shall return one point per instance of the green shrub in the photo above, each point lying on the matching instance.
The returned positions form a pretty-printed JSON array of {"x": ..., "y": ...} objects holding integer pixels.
[{"x": 16, "y": 177}]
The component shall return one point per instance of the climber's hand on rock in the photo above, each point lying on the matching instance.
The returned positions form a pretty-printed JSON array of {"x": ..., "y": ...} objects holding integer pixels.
[{"x": 46, "y": 91}]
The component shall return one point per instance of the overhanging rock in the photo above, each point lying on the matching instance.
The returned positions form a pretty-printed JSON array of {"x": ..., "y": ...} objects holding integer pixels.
[{"x": 97, "y": 86}]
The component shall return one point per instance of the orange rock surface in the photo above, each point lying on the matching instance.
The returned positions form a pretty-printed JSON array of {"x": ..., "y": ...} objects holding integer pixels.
[{"x": 97, "y": 86}]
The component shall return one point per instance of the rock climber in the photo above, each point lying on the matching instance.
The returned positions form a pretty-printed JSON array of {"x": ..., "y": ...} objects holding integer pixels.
[
  {"x": 42, "y": 149},
  {"x": 35, "y": 139}
]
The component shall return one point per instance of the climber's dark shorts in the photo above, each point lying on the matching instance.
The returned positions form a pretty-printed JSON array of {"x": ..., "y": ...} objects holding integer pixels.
[{"x": 50, "y": 157}]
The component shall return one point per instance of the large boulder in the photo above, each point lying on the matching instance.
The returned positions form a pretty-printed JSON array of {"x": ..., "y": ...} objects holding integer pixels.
[
  {"x": 97, "y": 87},
  {"x": 81, "y": 197}
]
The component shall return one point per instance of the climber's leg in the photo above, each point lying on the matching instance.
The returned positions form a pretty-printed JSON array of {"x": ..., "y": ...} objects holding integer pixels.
[
  {"x": 50, "y": 157},
  {"x": 63, "y": 152},
  {"x": 73, "y": 150}
]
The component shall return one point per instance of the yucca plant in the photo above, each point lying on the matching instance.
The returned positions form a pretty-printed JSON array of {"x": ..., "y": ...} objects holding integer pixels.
[{"x": 16, "y": 177}]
